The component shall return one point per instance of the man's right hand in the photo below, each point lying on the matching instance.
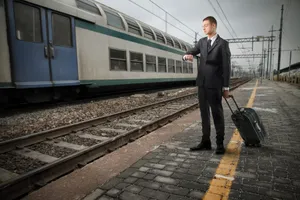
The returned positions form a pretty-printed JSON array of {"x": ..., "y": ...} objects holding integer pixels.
[{"x": 188, "y": 57}]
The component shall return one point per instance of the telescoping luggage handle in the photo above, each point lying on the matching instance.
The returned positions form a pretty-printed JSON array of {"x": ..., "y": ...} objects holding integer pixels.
[{"x": 231, "y": 96}]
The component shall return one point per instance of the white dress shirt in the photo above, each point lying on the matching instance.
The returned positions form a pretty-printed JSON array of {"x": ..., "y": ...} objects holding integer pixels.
[{"x": 213, "y": 39}]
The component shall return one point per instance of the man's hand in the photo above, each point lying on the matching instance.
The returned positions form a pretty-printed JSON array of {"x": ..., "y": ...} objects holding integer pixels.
[
  {"x": 188, "y": 57},
  {"x": 226, "y": 94}
]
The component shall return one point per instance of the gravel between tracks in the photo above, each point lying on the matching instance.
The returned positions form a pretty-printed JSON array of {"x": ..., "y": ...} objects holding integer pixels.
[{"x": 23, "y": 124}]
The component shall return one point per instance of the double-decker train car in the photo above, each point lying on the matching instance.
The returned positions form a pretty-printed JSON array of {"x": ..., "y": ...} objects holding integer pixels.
[
  {"x": 290, "y": 74},
  {"x": 51, "y": 49}
]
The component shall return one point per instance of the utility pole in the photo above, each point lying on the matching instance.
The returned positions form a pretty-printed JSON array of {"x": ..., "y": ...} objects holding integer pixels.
[
  {"x": 271, "y": 54},
  {"x": 261, "y": 74},
  {"x": 280, "y": 37},
  {"x": 290, "y": 63},
  {"x": 267, "y": 72}
]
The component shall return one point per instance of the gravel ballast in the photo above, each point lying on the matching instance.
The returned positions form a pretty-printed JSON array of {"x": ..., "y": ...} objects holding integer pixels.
[{"x": 28, "y": 123}]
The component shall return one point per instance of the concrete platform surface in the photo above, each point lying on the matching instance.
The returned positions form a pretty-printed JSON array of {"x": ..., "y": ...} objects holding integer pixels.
[{"x": 160, "y": 165}]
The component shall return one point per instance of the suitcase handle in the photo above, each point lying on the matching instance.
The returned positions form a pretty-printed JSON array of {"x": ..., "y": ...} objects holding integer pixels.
[{"x": 231, "y": 96}]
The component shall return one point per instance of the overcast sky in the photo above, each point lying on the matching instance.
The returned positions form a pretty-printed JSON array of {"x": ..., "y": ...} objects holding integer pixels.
[{"x": 247, "y": 17}]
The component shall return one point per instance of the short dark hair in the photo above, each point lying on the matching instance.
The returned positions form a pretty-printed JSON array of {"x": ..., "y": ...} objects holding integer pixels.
[{"x": 211, "y": 19}]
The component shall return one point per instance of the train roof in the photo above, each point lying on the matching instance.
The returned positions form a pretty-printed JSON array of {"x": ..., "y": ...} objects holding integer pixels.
[
  {"x": 98, "y": 13},
  {"x": 292, "y": 67}
]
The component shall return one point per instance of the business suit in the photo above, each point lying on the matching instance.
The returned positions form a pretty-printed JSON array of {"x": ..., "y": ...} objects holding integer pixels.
[{"x": 213, "y": 76}]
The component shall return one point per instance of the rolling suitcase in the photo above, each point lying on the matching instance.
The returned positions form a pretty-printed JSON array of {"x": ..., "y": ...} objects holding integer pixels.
[{"x": 248, "y": 124}]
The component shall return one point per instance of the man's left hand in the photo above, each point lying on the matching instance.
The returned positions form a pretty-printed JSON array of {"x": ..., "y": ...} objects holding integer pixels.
[{"x": 226, "y": 94}]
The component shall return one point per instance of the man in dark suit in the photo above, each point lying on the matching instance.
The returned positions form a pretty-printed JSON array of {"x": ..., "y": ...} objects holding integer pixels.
[{"x": 212, "y": 81}]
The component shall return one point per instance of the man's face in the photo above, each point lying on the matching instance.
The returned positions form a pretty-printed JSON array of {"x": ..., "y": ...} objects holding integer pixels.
[{"x": 208, "y": 28}]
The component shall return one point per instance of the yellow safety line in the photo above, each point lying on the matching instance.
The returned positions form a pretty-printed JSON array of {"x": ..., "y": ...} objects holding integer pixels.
[{"x": 221, "y": 183}]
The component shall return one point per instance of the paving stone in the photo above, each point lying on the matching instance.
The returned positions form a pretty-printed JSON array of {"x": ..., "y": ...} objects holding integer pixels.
[
  {"x": 178, "y": 159},
  {"x": 134, "y": 188},
  {"x": 130, "y": 180},
  {"x": 281, "y": 195},
  {"x": 105, "y": 198},
  {"x": 161, "y": 172},
  {"x": 193, "y": 185},
  {"x": 196, "y": 194},
  {"x": 138, "y": 174},
  {"x": 249, "y": 196},
  {"x": 283, "y": 187},
  {"x": 121, "y": 186},
  {"x": 177, "y": 197},
  {"x": 170, "y": 168},
  {"x": 183, "y": 176},
  {"x": 154, "y": 194},
  {"x": 139, "y": 163},
  {"x": 234, "y": 194},
  {"x": 166, "y": 180},
  {"x": 174, "y": 189},
  {"x": 148, "y": 184},
  {"x": 111, "y": 183},
  {"x": 144, "y": 169},
  {"x": 130, "y": 196},
  {"x": 153, "y": 165},
  {"x": 94, "y": 195},
  {"x": 127, "y": 173},
  {"x": 113, "y": 192},
  {"x": 165, "y": 162},
  {"x": 250, "y": 188},
  {"x": 149, "y": 176}
]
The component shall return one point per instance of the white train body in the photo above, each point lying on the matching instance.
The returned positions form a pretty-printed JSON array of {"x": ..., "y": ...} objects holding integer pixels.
[{"x": 74, "y": 43}]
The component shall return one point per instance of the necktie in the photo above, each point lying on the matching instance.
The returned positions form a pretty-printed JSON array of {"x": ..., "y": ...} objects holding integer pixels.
[{"x": 209, "y": 44}]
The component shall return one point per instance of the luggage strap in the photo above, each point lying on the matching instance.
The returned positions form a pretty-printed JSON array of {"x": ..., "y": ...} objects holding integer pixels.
[{"x": 231, "y": 96}]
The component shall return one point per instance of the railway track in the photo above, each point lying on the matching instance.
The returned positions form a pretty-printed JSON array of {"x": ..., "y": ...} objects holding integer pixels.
[{"x": 31, "y": 161}]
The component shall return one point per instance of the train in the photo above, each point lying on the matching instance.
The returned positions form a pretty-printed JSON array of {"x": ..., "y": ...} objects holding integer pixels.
[
  {"x": 290, "y": 74},
  {"x": 58, "y": 49}
]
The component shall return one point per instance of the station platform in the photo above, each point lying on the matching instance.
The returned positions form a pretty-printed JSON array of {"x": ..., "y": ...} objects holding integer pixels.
[{"x": 160, "y": 165}]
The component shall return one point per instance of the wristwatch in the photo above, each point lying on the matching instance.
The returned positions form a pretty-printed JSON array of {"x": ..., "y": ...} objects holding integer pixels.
[{"x": 226, "y": 88}]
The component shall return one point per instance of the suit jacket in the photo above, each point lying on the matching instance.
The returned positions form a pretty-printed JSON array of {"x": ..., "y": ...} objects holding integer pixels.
[{"x": 215, "y": 65}]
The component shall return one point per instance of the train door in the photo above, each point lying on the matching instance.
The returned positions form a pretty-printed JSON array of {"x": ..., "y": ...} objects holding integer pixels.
[
  {"x": 28, "y": 45},
  {"x": 62, "y": 46},
  {"x": 42, "y": 46}
]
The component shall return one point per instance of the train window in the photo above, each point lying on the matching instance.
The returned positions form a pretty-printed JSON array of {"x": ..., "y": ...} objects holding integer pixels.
[
  {"x": 133, "y": 27},
  {"x": 169, "y": 41},
  {"x": 171, "y": 66},
  {"x": 88, "y": 6},
  {"x": 61, "y": 24},
  {"x": 113, "y": 19},
  {"x": 148, "y": 33},
  {"x": 118, "y": 60},
  {"x": 177, "y": 45},
  {"x": 178, "y": 66},
  {"x": 150, "y": 63},
  {"x": 184, "y": 47},
  {"x": 190, "y": 68},
  {"x": 136, "y": 61},
  {"x": 28, "y": 23},
  {"x": 160, "y": 37},
  {"x": 162, "y": 66},
  {"x": 185, "y": 67}
]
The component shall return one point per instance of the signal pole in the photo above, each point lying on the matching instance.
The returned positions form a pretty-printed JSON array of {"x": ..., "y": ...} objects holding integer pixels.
[{"x": 280, "y": 37}]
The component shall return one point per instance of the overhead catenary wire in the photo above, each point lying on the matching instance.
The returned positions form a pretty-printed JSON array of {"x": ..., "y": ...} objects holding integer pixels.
[
  {"x": 160, "y": 18},
  {"x": 175, "y": 18}
]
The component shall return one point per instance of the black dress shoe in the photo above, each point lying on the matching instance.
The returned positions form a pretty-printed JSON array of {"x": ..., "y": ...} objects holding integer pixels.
[
  {"x": 220, "y": 149},
  {"x": 202, "y": 146}
]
